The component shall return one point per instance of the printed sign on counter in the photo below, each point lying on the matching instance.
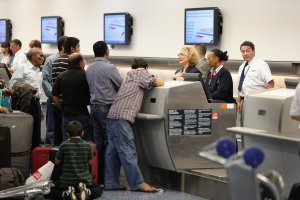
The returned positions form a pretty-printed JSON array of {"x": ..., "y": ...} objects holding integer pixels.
[{"x": 190, "y": 122}]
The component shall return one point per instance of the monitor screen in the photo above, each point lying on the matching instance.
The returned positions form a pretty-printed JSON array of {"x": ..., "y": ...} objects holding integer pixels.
[
  {"x": 51, "y": 29},
  {"x": 202, "y": 25},
  {"x": 117, "y": 28},
  {"x": 5, "y": 30}
]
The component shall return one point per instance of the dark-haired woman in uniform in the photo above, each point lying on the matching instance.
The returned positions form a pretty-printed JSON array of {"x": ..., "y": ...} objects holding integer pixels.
[{"x": 219, "y": 80}]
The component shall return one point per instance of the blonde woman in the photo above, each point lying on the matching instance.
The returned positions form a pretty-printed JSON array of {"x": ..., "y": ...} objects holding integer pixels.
[{"x": 188, "y": 59}]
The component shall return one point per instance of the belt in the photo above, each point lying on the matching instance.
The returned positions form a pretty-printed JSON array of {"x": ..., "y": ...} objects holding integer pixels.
[{"x": 104, "y": 106}]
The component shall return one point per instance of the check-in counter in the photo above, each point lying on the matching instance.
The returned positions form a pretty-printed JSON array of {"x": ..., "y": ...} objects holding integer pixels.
[
  {"x": 267, "y": 125},
  {"x": 269, "y": 110},
  {"x": 175, "y": 122}
]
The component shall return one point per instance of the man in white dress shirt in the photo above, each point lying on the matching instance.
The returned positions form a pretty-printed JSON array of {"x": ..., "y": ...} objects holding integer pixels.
[
  {"x": 19, "y": 55},
  {"x": 31, "y": 74},
  {"x": 254, "y": 74}
]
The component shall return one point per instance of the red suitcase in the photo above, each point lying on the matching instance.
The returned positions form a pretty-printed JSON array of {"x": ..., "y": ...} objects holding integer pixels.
[
  {"x": 41, "y": 155},
  {"x": 95, "y": 164}
]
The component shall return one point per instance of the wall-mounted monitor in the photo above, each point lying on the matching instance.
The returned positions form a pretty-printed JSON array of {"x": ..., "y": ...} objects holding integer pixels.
[
  {"x": 5, "y": 30},
  {"x": 51, "y": 29},
  {"x": 202, "y": 25},
  {"x": 117, "y": 28}
]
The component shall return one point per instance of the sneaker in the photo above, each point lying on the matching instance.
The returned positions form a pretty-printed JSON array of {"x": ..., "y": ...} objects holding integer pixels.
[
  {"x": 69, "y": 194},
  {"x": 84, "y": 193}
]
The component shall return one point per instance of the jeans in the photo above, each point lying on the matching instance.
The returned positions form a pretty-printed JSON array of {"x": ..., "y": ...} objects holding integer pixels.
[
  {"x": 121, "y": 151},
  {"x": 85, "y": 121},
  {"x": 49, "y": 123},
  {"x": 98, "y": 119}
]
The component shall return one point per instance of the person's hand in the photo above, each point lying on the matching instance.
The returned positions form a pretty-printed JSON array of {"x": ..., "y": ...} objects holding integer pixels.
[
  {"x": 239, "y": 106},
  {"x": 34, "y": 90},
  {"x": 11, "y": 70},
  {"x": 4, "y": 110},
  {"x": 179, "y": 74},
  {"x": 7, "y": 91}
]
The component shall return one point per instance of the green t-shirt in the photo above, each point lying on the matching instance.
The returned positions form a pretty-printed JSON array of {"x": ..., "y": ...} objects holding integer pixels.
[{"x": 75, "y": 155}]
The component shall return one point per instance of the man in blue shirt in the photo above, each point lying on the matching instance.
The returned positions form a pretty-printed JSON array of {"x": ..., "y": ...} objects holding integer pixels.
[
  {"x": 47, "y": 86},
  {"x": 104, "y": 82}
]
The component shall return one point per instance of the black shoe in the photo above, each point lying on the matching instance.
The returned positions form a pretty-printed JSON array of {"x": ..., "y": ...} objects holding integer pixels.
[
  {"x": 69, "y": 194},
  {"x": 84, "y": 193}
]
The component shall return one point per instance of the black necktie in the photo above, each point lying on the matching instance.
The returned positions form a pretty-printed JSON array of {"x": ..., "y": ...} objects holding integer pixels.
[{"x": 242, "y": 78}]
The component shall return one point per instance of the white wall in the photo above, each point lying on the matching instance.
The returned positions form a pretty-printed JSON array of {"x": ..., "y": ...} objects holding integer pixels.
[{"x": 273, "y": 25}]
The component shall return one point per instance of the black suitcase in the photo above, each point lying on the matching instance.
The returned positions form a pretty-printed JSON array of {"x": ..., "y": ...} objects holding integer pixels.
[
  {"x": 5, "y": 147},
  {"x": 21, "y": 126}
]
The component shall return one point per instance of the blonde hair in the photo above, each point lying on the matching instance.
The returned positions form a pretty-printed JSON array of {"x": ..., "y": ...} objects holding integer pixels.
[{"x": 192, "y": 54}]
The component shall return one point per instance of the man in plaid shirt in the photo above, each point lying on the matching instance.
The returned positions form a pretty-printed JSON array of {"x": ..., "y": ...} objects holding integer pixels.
[{"x": 121, "y": 117}]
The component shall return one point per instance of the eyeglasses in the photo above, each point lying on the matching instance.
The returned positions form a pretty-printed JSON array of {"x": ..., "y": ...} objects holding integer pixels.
[{"x": 181, "y": 54}]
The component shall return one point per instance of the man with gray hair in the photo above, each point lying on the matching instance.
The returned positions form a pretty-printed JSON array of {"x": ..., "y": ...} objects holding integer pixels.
[
  {"x": 31, "y": 74},
  {"x": 202, "y": 65}
]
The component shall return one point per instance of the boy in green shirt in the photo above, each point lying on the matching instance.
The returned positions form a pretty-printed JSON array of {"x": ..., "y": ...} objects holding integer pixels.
[{"x": 76, "y": 157}]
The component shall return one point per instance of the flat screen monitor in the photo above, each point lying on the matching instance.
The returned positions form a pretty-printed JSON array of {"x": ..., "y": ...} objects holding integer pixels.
[
  {"x": 4, "y": 73},
  {"x": 51, "y": 29},
  {"x": 202, "y": 25},
  {"x": 117, "y": 28},
  {"x": 291, "y": 83},
  {"x": 5, "y": 30},
  {"x": 198, "y": 77}
]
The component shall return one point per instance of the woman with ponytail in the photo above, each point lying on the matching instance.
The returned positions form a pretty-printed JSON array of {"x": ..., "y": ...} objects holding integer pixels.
[{"x": 219, "y": 80}]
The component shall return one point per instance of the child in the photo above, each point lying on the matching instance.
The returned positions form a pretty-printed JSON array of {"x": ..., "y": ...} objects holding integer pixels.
[{"x": 75, "y": 155}]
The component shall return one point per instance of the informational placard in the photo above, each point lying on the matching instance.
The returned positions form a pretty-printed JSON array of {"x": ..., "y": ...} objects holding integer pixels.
[{"x": 190, "y": 121}]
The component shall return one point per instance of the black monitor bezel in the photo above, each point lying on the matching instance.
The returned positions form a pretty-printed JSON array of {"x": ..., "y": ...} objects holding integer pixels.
[
  {"x": 128, "y": 28},
  {"x": 218, "y": 20},
  {"x": 8, "y": 74},
  {"x": 8, "y": 32},
  {"x": 60, "y": 28}
]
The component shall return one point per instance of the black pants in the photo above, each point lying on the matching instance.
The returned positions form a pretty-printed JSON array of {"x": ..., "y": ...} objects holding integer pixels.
[
  {"x": 35, "y": 112},
  {"x": 57, "y": 122},
  {"x": 56, "y": 192}
]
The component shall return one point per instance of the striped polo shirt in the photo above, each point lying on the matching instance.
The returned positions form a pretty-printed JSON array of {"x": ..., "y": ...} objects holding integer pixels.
[
  {"x": 75, "y": 155},
  {"x": 130, "y": 96},
  {"x": 59, "y": 66}
]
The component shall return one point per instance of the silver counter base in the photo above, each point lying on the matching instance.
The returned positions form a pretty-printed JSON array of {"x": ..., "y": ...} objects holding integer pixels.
[{"x": 207, "y": 183}]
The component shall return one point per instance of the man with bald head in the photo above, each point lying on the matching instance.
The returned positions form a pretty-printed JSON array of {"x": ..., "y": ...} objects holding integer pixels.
[
  {"x": 31, "y": 74},
  {"x": 71, "y": 94}
]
